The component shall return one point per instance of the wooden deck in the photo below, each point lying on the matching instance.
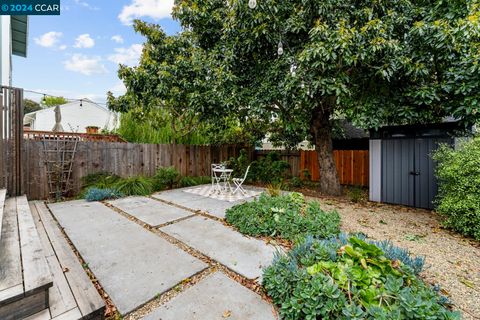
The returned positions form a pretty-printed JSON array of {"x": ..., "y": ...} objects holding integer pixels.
[
  {"x": 73, "y": 295},
  {"x": 24, "y": 275},
  {"x": 41, "y": 278}
]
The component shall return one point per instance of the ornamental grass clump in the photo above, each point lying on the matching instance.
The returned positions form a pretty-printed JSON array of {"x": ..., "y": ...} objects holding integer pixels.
[
  {"x": 138, "y": 185},
  {"x": 349, "y": 277},
  {"x": 287, "y": 217}
]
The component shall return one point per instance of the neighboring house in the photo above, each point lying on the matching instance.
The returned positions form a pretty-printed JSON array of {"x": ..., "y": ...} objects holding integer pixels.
[
  {"x": 13, "y": 40},
  {"x": 76, "y": 117}
]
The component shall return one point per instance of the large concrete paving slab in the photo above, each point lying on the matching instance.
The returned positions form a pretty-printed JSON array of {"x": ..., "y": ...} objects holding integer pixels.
[
  {"x": 150, "y": 211},
  {"x": 216, "y": 297},
  {"x": 197, "y": 202},
  {"x": 132, "y": 264},
  {"x": 246, "y": 256}
]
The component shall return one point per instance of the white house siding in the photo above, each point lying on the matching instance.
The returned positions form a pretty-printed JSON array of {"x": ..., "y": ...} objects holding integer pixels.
[
  {"x": 5, "y": 51},
  {"x": 75, "y": 118}
]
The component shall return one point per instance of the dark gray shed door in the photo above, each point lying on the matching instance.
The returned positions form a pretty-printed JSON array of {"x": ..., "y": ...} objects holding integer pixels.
[{"x": 408, "y": 171}]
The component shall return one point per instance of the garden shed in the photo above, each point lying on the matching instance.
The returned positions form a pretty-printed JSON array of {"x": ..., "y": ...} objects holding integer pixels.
[{"x": 402, "y": 170}]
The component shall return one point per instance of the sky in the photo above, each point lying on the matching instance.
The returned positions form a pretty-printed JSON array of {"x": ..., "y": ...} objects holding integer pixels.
[{"x": 76, "y": 55}]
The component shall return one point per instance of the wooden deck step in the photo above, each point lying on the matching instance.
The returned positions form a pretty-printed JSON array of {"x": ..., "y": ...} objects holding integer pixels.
[
  {"x": 3, "y": 194},
  {"x": 25, "y": 277},
  {"x": 73, "y": 296}
]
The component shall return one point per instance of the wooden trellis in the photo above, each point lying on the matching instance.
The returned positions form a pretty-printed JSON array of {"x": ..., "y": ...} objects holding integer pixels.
[{"x": 59, "y": 154}]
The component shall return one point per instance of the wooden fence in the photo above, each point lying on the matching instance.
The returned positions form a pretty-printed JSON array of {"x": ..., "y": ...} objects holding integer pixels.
[
  {"x": 123, "y": 159},
  {"x": 352, "y": 165},
  {"x": 11, "y": 139}
]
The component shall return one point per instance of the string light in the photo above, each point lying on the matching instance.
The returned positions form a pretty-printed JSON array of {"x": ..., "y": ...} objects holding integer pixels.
[
  {"x": 45, "y": 95},
  {"x": 252, "y": 4},
  {"x": 280, "y": 48}
]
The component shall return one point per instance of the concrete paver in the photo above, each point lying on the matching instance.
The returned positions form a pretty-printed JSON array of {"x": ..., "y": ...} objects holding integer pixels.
[
  {"x": 215, "y": 297},
  {"x": 131, "y": 263},
  {"x": 196, "y": 202},
  {"x": 150, "y": 211},
  {"x": 246, "y": 256}
]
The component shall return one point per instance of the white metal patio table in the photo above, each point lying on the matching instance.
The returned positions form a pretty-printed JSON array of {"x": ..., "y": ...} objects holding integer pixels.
[{"x": 222, "y": 179}]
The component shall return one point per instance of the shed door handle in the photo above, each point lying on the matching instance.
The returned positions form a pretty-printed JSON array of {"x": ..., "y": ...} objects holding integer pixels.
[{"x": 415, "y": 173}]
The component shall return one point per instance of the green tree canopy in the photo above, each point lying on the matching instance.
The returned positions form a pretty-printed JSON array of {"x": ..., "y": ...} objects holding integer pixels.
[
  {"x": 30, "y": 106},
  {"x": 51, "y": 101},
  {"x": 375, "y": 62},
  {"x": 299, "y": 65}
]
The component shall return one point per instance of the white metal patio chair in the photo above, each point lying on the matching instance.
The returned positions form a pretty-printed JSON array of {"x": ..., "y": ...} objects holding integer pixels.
[
  {"x": 216, "y": 178},
  {"x": 239, "y": 182}
]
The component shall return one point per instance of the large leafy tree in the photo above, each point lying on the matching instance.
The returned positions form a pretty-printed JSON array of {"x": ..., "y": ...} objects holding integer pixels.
[
  {"x": 301, "y": 64},
  {"x": 30, "y": 106}
]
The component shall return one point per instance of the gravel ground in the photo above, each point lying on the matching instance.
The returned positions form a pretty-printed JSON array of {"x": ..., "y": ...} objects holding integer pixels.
[{"x": 451, "y": 260}]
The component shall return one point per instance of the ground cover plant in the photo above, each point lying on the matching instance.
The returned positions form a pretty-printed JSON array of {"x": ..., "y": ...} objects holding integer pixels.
[
  {"x": 96, "y": 194},
  {"x": 458, "y": 173},
  {"x": 287, "y": 217},
  {"x": 349, "y": 277}
]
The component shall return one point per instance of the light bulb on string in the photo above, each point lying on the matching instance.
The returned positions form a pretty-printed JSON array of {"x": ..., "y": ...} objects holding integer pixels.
[
  {"x": 252, "y": 4},
  {"x": 280, "y": 48}
]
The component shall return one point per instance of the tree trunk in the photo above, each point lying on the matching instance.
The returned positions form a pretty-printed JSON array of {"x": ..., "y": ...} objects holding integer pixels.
[{"x": 321, "y": 131}]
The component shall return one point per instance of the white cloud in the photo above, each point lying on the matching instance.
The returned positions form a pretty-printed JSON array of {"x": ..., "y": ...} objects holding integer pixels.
[
  {"x": 85, "y": 65},
  {"x": 49, "y": 39},
  {"x": 156, "y": 9},
  {"x": 84, "y": 41},
  {"x": 86, "y": 5},
  {"x": 129, "y": 56},
  {"x": 62, "y": 47},
  {"x": 117, "y": 38}
]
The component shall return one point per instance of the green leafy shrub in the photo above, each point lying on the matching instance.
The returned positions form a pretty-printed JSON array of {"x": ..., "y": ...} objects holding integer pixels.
[
  {"x": 240, "y": 164},
  {"x": 458, "y": 172},
  {"x": 101, "y": 180},
  {"x": 270, "y": 169},
  {"x": 296, "y": 182},
  {"x": 356, "y": 194},
  {"x": 306, "y": 174},
  {"x": 96, "y": 194},
  {"x": 166, "y": 178},
  {"x": 138, "y": 185},
  {"x": 288, "y": 217},
  {"x": 349, "y": 278}
]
